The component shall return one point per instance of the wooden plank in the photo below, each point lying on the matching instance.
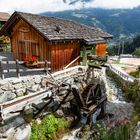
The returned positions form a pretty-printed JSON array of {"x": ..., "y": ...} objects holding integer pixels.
[
  {"x": 17, "y": 68},
  {"x": 72, "y": 62},
  {"x": 1, "y": 71},
  {"x": 20, "y": 102},
  {"x": 46, "y": 67},
  {"x": 25, "y": 70}
]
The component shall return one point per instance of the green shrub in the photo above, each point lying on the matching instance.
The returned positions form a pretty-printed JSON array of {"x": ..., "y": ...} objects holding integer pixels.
[
  {"x": 118, "y": 133},
  {"x": 48, "y": 128},
  {"x": 135, "y": 74}
]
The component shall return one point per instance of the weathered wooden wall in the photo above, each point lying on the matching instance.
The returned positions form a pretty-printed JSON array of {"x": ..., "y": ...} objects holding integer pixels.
[
  {"x": 26, "y": 41},
  {"x": 63, "y": 53},
  {"x": 101, "y": 49}
]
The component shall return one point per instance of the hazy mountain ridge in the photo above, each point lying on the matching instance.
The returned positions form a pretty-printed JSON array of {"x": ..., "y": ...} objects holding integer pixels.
[{"x": 118, "y": 22}]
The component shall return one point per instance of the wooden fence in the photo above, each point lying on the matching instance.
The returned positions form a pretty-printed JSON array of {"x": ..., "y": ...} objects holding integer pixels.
[
  {"x": 17, "y": 67},
  {"x": 122, "y": 75}
]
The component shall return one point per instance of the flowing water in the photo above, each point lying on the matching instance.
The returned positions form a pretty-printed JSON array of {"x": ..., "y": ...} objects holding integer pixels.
[{"x": 117, "y": 105}]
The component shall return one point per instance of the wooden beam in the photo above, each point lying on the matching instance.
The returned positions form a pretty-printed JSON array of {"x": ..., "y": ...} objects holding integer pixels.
[{"x": 72, "y": 62}]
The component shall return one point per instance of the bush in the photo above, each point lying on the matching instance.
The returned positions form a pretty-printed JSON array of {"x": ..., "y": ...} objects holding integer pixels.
[
  {"x": 135, "y": 74},
  {"x": 48, "y": 128},
  {"x": 118, "y": 133}
]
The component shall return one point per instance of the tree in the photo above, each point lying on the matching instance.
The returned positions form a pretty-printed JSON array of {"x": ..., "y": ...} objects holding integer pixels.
[{"x": 137, "y": 52}]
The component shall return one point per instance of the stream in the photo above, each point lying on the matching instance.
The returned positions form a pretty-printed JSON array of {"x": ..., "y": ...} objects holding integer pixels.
[{"x": 117, "y": 106}]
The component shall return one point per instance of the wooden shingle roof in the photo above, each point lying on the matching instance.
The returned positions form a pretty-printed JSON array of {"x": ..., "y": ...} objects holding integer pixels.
[
  {"x": 4, "y": 16},
  {"x": 56, "y": 29}
]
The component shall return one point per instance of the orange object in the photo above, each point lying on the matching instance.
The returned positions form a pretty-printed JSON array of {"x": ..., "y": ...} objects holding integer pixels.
[{"x": 101, "y": 49}]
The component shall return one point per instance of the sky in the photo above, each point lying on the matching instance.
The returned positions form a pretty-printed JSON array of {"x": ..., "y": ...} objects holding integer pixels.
[{"x": 39, "y": 6}]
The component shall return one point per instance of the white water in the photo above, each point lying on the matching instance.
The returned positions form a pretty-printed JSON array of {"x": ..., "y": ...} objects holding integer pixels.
[{"x": 116, "y": 104}]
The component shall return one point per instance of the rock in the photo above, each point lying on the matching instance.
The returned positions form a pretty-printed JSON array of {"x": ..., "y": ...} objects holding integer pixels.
[
  {"x": 59, "y": 113},
  {"x": 10, "y": 133},
  {"x": 44, "y": 82},
  {"x": 38, "y": 121},
  {"x": 23, "y": 132},
  {"x": 84, "y": 85},
  {"x": 18, "y": 86},
  {"x": 28, "y": 113},
  {"x": 29, "y": 84},
  {"x": 138, "y": 124},
  {"x": 36, "y": 87},
  {"x": 10, "y": 95},
  {"x": 20, "y": 92},
  {"x": 2, "y": 136},
  {"x": 7, "y": 86},
  {"x": 38, "y": 80},
  {"x": 7, "y": 96},
  {"x": 138, "y": 133},
  {"x": 16, "y": 81},
  {"x": 70, "y": 81},
  {"x": 3, "y": 97},
  {"x": 1, "y": 91},
  {"x": 24, "y": 80},
  {"x": 3, "y": 82}
]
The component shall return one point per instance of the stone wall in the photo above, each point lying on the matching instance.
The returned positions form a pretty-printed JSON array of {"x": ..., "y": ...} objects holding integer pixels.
[
  {"x": 16, "y": 87},
  {"x": 124, "y": 84}
]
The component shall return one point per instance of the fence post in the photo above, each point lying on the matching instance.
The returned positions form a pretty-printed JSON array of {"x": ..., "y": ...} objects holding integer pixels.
[
  {"x": 46, "y": 67},
  {"x": 17, "y": 68},
  {"x": 1, "y": 70}
]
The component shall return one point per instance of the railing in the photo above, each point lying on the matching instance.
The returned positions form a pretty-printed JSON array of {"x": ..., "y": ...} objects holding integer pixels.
[
  {"x": 122, "y": 75},
  {"x": 17, "y": 67}
]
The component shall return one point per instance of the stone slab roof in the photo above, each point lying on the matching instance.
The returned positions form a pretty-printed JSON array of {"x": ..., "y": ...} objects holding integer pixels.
[{"x": 56, "y": 29}]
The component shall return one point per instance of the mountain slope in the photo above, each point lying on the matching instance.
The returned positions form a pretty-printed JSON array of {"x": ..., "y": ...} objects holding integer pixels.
[{"x": 119, "y": 22}]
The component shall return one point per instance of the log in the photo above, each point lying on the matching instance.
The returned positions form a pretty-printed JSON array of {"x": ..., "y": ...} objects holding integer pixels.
[{"x": 72, "y": 62}]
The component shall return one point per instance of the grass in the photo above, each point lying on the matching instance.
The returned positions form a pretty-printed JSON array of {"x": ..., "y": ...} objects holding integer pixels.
[
  {"x": 117, "y": 62},
  {"x": 135, "y": 74},
  {"x": 49, "y": 128}
]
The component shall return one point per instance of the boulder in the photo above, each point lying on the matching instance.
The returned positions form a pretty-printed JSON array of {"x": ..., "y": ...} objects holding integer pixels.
[
  {"x": 3, "y": 98},
  {"x": 44, "y": 82},
  {"x": 17, "y": 86},
  {"x": 3, "y": 82},
  {"x": 37, "y": 79},
  {"x": 10, "y": 95},
  {"x": 28, "y": 113},
  {"x": 1, "y": 91},
  {"x": 23, "y": 132},
  {"x": 36, "y": 87},
  {"x": 20, "y": 92},
  {"x": 16, "y": 80},
  {"x": 7, "y": 86},
  {"x": 10, "y": 133}
]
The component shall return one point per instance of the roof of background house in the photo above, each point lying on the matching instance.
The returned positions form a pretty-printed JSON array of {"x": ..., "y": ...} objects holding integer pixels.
[
  {"x": 4, "y": 16},
  {"x": 56, "y": 29}
]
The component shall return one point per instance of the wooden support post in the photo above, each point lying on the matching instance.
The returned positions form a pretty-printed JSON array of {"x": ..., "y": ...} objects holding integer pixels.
[
  {"x": 84, "y": 55},
  {"x": 17, "y": 68},
  {"x": 46, "y": 67},
  {"x": 62, "y": 102},
  {"x": 7, "y": 65},
  {"x": 1, "y": 70},
  {"x": 41, "y": 110}
]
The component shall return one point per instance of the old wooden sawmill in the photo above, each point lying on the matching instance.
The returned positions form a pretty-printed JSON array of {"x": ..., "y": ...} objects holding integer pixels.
[
  {"x": 74, "y": 102},
  {"x": 75, "y": 91}
]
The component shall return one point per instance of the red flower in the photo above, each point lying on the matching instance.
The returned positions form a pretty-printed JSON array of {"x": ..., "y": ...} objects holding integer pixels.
[{"x": 30, "y": 58}]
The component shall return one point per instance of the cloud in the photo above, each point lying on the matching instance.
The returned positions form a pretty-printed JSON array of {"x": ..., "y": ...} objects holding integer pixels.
[
  {"x": 114, "y": 3},
  {"x": 38, "y": 6}
]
